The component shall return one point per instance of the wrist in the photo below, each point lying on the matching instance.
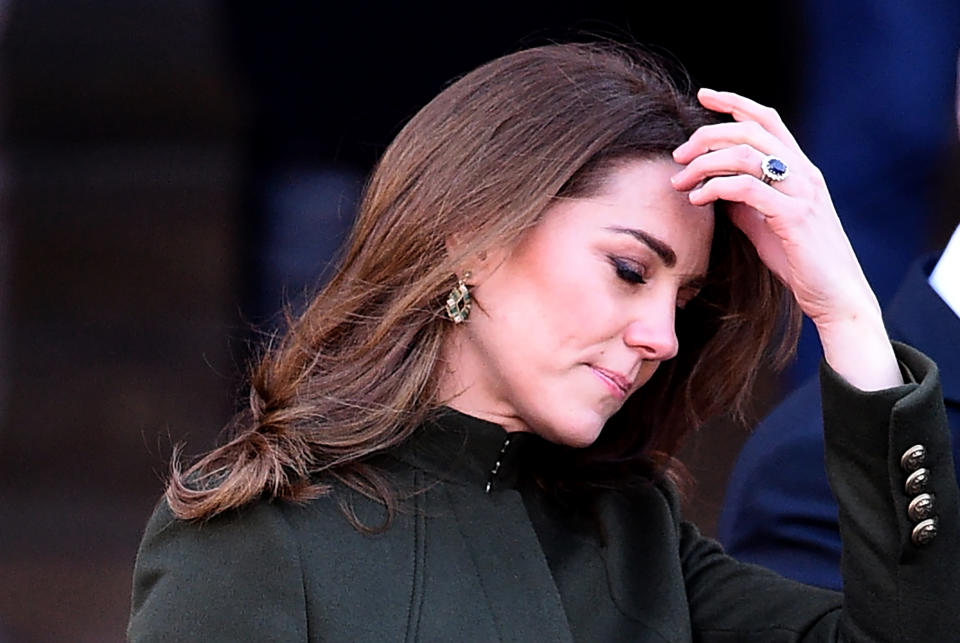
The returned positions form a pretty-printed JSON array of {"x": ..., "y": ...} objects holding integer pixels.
[{"x": 858, "y": 349}]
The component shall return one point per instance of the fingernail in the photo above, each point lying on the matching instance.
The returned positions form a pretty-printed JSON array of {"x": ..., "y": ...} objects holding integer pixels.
[
  {"x": 676, "y": 152},
  {"x": 707, "y": 90},
  {"x": 695, "y": 194}
]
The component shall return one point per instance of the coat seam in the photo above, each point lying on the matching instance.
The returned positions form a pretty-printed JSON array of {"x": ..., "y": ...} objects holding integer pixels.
[
  {"x": 415, "y": 609},
  {"x": 301, "y": 568},
  {"x": 476, "y": 567}
]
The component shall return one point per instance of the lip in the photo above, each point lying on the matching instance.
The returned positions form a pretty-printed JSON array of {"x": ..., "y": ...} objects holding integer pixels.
[{"x": 617, "y": 383}]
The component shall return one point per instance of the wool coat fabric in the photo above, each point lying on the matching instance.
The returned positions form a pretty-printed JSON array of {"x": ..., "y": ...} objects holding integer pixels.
[{"x": 483, "y": 553}]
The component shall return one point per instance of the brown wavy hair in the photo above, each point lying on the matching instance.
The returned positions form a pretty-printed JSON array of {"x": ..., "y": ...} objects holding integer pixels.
[{"x": 357, "y": 371}]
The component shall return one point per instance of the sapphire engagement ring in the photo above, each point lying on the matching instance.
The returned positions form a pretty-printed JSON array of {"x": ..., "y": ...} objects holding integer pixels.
[{"x": 773, "y": 169}]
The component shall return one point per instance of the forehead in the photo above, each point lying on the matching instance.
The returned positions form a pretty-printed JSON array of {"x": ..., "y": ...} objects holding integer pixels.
[{"x": 638, "y": 195}]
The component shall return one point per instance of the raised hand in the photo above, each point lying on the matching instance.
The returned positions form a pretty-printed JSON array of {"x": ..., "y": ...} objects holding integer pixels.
[{"x": 788, "y": 215}]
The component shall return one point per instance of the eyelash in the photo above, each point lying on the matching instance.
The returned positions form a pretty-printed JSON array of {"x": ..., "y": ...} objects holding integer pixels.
[{"x": 626, "y": 272}]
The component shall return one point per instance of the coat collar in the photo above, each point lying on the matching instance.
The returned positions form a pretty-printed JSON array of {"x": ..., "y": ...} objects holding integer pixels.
[{"x": 464, "y": 449}]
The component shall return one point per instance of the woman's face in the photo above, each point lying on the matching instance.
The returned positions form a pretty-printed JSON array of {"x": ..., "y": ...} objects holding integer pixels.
[{"x": 580, "y": 313}]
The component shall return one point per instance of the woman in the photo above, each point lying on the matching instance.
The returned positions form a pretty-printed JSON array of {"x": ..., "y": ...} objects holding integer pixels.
[{"x": 469, "y": 434}]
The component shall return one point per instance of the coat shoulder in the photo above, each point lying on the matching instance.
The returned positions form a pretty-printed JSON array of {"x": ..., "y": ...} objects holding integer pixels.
[{"x": 269, "y": 568}]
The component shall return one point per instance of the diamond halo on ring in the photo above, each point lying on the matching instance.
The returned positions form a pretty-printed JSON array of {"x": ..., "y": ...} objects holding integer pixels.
[{"x": 773, "y": 169}]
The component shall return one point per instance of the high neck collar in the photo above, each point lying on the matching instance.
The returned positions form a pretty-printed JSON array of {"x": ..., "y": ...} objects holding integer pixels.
[{"x": 466, "y": 450}]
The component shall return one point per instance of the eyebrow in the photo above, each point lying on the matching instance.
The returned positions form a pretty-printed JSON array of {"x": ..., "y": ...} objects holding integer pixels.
[{"x": 664, "y": 251}]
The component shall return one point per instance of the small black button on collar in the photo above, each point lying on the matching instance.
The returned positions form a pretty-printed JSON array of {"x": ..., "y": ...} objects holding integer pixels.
[{"x": 498, "y": 464}]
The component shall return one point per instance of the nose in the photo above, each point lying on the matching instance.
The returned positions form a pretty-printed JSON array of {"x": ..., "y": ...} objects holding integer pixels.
[{"x": 653, "y": 333}]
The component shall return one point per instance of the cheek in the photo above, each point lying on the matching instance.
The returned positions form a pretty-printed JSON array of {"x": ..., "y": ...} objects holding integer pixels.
[
  {"x": 589, "y": 307},
  {"x": 552, "y": 297},
  {"x": 567, "y": 308},
  {"x": 585, "y": 321}
]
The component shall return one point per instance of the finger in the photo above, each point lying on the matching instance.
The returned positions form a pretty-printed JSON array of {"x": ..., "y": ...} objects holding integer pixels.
[
  {"x": 713, "y": 137},
  {"x": 756, "y": 228},
  {"x": 739, "y": 159},
  {"x": 745, "y": 189},
  {"x": 750, "y": 221},
  {"x": 743, "y": 109}
]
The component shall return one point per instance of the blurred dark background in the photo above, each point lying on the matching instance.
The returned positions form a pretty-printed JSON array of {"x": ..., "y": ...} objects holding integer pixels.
[{"x": 149, "y": 150}]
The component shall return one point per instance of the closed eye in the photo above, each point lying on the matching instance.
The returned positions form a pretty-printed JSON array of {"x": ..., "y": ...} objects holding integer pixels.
[{"x": 627, "y": 271}]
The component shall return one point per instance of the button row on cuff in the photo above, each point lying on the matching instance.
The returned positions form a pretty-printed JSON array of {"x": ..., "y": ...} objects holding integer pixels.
[
  {"x": 917, "y": 482},
  {"x": 925, "y": 531},
  {"x": 921, "y": 507},
  {"x": 913, "y": 458}
]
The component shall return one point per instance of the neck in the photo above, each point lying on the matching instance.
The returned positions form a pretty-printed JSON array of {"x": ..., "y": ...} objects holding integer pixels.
[{"x": 462, "y": 386}]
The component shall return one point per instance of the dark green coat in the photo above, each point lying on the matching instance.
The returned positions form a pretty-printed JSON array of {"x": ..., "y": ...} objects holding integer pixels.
[{"x": 463, "y": 564}]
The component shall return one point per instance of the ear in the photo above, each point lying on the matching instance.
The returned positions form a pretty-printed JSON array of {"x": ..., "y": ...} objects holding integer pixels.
[{"x": 479, "y": 262}]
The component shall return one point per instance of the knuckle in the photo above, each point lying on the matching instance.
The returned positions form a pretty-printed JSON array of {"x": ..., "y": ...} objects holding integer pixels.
[
  {"x": 751, "y": 186},
  {"x": 816, "y": 176},
  {"x": 744, "y": 155}
]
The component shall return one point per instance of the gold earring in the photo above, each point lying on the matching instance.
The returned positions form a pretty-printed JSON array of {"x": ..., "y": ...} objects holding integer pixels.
[{"x": 458, "y": 301}]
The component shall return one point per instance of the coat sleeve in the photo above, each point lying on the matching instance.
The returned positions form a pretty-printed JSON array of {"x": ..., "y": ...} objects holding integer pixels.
[
  {"x": 895, "y": 588},
  {"x": 226, "y": 579},
  {"x": 779, "y": 511}
]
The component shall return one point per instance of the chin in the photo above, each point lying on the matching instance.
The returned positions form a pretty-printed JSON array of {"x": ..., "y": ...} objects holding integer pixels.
[
  {"x": 576, "y": 430},
  {"x": 580, "y": 440}
]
